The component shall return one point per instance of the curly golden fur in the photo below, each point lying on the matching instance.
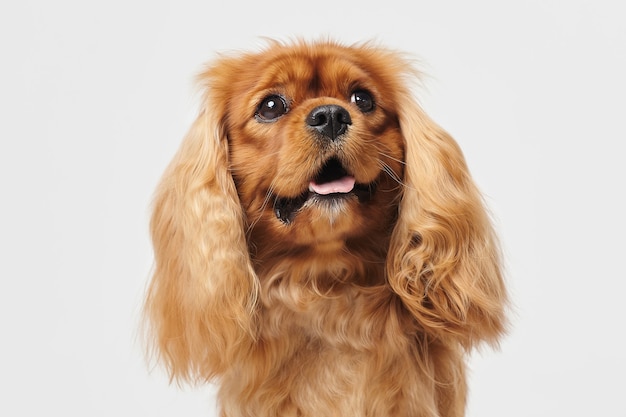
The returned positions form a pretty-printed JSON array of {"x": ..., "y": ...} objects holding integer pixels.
[{"x": 320, "y": 246}]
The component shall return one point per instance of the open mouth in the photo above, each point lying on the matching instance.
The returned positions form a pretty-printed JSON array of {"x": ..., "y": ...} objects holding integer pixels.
[{"x": 332, "y": 184}]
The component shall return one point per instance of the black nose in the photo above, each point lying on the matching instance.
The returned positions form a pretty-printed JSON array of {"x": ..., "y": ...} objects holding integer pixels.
[{"x": 329, "y": 120}]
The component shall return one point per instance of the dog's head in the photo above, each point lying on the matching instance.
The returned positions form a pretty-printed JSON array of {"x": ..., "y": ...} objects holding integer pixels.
[{"x": 315, "y": 146}]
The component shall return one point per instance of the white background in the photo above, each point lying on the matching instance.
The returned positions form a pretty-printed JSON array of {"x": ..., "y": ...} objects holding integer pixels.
[{"x": 96, "y": 96}]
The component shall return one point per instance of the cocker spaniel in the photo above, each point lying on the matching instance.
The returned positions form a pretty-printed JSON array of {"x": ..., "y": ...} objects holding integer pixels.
[{"x": 320, "y": 247}]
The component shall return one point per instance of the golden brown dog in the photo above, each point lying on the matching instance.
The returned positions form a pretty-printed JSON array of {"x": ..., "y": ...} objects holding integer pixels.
[{"x": 321, "y": 249}]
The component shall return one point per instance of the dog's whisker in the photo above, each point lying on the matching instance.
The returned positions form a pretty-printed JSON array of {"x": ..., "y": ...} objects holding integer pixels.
[
  {"x": 392, "y": 174},
  {"x": 266, "y": 200},
  {"x": 384, "y": 152}
]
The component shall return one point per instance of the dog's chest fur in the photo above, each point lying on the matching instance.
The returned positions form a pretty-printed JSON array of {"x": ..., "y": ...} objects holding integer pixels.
[{"x": 352, "y": 352}]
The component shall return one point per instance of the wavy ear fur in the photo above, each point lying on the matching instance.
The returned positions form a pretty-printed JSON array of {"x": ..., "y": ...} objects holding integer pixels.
[
  {"x": 444, "y": 260},
  {"x": 201, "y": 300}
]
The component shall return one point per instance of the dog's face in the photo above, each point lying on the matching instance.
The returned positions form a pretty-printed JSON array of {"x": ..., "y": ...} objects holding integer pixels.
[{"x": 314, "y": 142}]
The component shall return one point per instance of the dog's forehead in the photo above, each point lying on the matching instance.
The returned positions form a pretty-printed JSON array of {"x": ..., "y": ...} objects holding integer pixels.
[{"x": 317, "y": 72}]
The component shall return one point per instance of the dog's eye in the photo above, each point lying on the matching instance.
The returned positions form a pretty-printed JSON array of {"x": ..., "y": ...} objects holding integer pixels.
[
  {"x": 363, "y": 100},
  {"x": 271, "y": 108}
]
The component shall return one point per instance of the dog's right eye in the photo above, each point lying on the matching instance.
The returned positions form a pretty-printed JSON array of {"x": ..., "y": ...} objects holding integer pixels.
[{"x": 271, "y": 108}]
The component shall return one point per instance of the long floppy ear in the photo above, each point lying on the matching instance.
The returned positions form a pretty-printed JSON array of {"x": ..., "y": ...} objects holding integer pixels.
[
  {"x": 444, "y": 259},
  {"x": 201, "y": 301}
]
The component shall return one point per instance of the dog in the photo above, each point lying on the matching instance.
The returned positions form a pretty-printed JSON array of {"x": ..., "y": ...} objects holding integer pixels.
[{"x": 320, "y": 246}]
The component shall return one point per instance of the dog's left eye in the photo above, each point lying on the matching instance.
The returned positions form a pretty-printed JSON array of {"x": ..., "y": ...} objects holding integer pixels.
[
  {"x": 271, "y": 108},
  {"x": 363, "y": 100}
]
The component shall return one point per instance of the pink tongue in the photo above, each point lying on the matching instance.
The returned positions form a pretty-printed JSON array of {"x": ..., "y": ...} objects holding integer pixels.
[{"x": 342, "y": 185}]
